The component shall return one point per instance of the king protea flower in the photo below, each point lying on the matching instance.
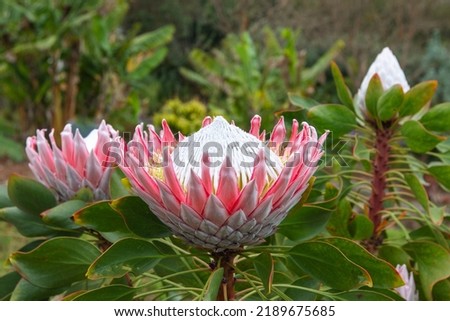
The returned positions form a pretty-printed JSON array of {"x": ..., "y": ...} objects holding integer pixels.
[
  {"x": 80, "y": 163},
  {"x": 222, "y": 188},
  {"x": 388, "y": 69},
  {"x": 407, "y": 291}
]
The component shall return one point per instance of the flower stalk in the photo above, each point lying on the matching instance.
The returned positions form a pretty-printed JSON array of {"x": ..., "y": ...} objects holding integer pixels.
[
  {"x": 225, "y": 260},
  {"x": 380, "y": 168},
  {"x": 383, "y": 135}
]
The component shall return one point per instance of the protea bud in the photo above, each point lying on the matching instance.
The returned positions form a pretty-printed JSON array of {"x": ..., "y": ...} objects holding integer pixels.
[
  {"x": 387, "y": 67},
  {"x": 407, "y": 291},
  {"x": 80, "y": 163},
  {"x": 222, "y": 188}
]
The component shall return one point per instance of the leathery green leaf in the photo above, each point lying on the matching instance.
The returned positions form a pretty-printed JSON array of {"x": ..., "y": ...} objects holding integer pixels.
[
  {"x": 389, "y": 103},
  {"x": 383, "y": 274},
  {"x": 114, "y": 292},
  {"x": 433, "y": 263},
  {"x": 30, "y": 195},
  {"x": 336, "y": 118},
  {"x": 343, "y": 92},
  {"x": 328, "y": 264},
  {"x": 418, "y": 138},
  {"x": 417, "y": 97},
  {"x": 127, "y": 255},
  {"x": 213, "y": 285},
  {"x": 55, "y": 263},
  {"x": 264, "y": 266}
]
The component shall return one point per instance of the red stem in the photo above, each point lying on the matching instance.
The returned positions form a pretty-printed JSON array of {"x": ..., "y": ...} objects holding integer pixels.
[{"x": 380, "y": 168}]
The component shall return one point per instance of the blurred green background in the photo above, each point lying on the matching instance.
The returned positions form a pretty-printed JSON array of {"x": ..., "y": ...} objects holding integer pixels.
[{"x": 135, "y": 60}]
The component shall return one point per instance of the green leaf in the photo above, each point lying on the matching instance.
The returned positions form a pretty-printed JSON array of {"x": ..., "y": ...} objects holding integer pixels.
[
  {"x": 116, "y": 187},
  {"x": 196, "y": 78},
  {"x": 343, "y": 92},
  {"x": 433, "y": 263},
  {"x": 4, "y": 198},
  {"x": 429, "y": 233},
  {"x": 418, "y": 138},
  {"x": 108, "y": 293},
  {"x": 417, "y": 97},
  {"x": 55, "y": 263},
  {"x": 213, "y": 285},
  {"x": 28, "y": 225},
  {"x": 103, "y": 218},
  {"x": 26, "y": 291},
  {"x": 127, "y": 255},
  {"x": 147, "y": 65},
  {"x": 29, "y": 195},
  {"x": 8, "y": 283},
  {"x": 389, "y": 103},
  {"x": 139, "y": 218},
  {"x": 303, "y": 294},
  {"x": 328, "y": 264},
  {"x": 304, "y": 223},
  {"x": 437, "y": 214},
  {"x": 381, "y": 272},
  {"x": 374, "y": 92},
  {"x": 151, "y": 40},
  {"x": 394, "y": 255},
  {"x": 336, "y": 118},
  {"x": 442, "y": 174},
  {"x": 441, "y": 291},
  {"x": 264, "y": 266},
  {"x": 419, "y": 191},
  {"x": 444, "y": 148},
  {"x": 360, "y": 227},
  {"x": 437, "y": 118},
  {"x": 59, "y": 216},
  {"x": 302, "y": 102},
  {"x": 84, "y": 194},
  {"x": 83, "y": 286},
  {"x": 338, "y": 223},
  {"x": 369, "y": 294}
]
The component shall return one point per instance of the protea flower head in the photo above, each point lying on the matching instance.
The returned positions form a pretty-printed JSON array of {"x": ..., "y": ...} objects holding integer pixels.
[
  {"x": 407, "y": 291},
  {"x": 222, "y": 188},
  {"x": 388, "y": 69},
  {"x": 81, "y": 162}
]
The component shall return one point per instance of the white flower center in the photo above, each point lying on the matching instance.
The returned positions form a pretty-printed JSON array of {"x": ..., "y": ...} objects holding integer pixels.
[
  {"x": 91, "y": 140},
  {"x": 221, "y": 140}
]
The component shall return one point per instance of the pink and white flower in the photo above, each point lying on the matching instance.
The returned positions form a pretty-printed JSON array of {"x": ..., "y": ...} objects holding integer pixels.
[
  {"x": 387, "y": 67},
  {"x": 81, "y": 162},
  {"x": 222, "y": 188},
  {"x": 407, "y": 291}
]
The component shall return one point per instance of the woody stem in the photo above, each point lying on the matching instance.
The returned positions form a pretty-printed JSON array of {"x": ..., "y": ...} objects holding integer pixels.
[
  {"x": 380, "y": 168},
  {"x": 226, "y": 261}
]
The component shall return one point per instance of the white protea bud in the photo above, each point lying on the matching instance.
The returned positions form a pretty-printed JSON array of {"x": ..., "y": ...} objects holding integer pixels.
[{"x": 388, "y": 69}]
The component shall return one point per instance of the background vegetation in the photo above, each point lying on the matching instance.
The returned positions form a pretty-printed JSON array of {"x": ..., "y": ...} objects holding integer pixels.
[{"x": 123, "y": 59}]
